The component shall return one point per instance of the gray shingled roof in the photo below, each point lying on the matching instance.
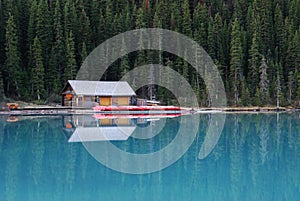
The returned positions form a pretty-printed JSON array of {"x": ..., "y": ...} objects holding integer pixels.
[
  {"x": 101, "y": 88},
  {"x": 89, "y": 134}
]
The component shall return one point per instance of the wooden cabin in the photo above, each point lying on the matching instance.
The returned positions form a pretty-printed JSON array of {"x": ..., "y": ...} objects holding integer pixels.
[
  {"x": 87, "y": 94},
  {"x": 86, "y": 128}
]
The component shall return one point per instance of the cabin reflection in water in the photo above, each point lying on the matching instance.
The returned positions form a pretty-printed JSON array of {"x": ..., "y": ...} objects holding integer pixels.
[{"x": 85, "y": 128}]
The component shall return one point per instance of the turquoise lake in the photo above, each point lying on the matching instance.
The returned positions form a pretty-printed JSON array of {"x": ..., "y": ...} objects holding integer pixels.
[{"x": 256, "y": 157}]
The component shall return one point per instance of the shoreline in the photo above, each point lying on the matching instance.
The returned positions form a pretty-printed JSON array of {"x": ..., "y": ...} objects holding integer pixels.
[{"x": 48, "y": 110}]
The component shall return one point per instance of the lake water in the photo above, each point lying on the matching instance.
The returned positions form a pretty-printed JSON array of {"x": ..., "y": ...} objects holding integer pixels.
[{"x": 256, "y": 157}]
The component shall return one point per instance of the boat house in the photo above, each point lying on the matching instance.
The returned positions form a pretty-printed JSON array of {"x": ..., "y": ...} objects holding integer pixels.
[{"x": 87, "y": 94}]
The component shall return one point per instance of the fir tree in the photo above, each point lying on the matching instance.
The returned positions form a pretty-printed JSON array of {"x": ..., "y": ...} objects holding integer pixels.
[
  {"x": 186, "y": 21},
  {"x": 71, "y": 67},
  {"x": 236, "y": 59},
  {"x": 53, "y": 84},
  {"x": 59, "y": 40},
  {"x": 200, "y": 24},
  {"x": 218, "y": 29},
  {"x": 83, "y": 54},
  {"x": 32, "y": 21},
  {"x": 278, "y": 86},
  {"x": 264, "y": 22},
  {"x": 254, "y": 63},
  {"x": 94, "y": 23},
  {"x": 2, "y": 34},
  {"x": 108, "y": 19},
  {"x": 37, "y": 72},
  {"x": 44, "y": 31},
  {"x": 279, "y": 31},
  {"x": 70, "y": 17},
  {"x": 101, "y": 28},
  {"x": 264, "y": 82},
  {"x": 290, "y": 84},
  {"x": 12, "y": 63},
  {"x": 211, "y": 40},
  {"x": 2, "y": 95},
  {"x": 84, "y": 29},
  {"x": 292, "y": 63},
  {"x": 245, "y": 95}
]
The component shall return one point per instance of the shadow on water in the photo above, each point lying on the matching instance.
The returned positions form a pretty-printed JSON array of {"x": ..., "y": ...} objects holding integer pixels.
[{"x": 257, "y": 157}]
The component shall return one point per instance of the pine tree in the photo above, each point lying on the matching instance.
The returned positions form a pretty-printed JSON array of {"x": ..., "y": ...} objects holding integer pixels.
[
  {"x": 254, "y": 63},
  {"x": 200, "y": 25},
  {"x": 278, "y": 85},
  {"x": 44, "y": 31},
  {"x": 294, "y": 12},
  {"x": 292, "y": 63},
  {"x": 298, "y": 84},
  {"x": 53, "y": 84},
  {"x": 265, "y": 26},
  {"x": 186, "y": 21},
  {"x": 237, "y": 14},
  {"x": 83, "y": 52},
  {"x": 280, "y": 32},
  {"x": 141, "y": 19},
  {"x": 84, "y": 30},
  {"x": 94, "y": 23},
  {"x": 2, "y": 35},
  {"x": 211, "y": 40},
  {"x": 59, "y": 40},
  {"x": 290, "y": 85},
  {"x": 2, "y": 95},
  {"x": 176, "y": 20},
  {"x": 12, "y": 63},
  {"x": 165, "y": 14},
  {"x": 23, "y": 20},
  {"x": 37, "y": 72},
  {"x": 264, "y": 82},
  {"x": 128, "y": 25},
  {"x": 236, "y": 59},
  {"x": 101, "y": 28},
  {"x": 32, "y": 21},
  {"x": 70, "y": 17},
  {"x": 108, "y": 19},
  {"x": 218, "y": 29},
  {"x": 245, "y": 94},
  {"x": 71, "y": 66}
]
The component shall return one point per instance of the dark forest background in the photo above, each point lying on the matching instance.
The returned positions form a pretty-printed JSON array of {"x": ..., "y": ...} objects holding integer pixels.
[{"x": 254, "y": 43}]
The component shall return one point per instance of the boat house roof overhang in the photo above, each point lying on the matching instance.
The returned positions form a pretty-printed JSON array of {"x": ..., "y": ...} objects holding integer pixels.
[{"x": 98, "y": 88}]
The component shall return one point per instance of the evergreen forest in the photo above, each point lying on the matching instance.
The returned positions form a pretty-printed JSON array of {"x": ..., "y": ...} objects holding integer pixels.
[{"x": 254, "y": 43}]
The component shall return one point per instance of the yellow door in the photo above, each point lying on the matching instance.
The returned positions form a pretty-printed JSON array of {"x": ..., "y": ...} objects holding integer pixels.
[
  {"x": 123, "y": 101},
  {"x": 105, "y": 101}
]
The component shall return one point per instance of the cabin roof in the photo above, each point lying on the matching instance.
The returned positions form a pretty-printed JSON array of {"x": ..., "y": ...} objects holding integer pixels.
[
  {"x": 89, "y": 134},
  {"x": 100, "y": 88}
]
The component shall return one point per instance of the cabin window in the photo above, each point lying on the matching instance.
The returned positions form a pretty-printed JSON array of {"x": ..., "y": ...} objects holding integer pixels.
[
  {"x": 97, "y": 99},
  {"x": 115, "y": 101}
]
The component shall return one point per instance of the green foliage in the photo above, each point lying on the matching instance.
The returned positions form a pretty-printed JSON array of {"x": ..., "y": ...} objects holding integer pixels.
[
  {"x": 71, "y": 66},
  {"x": 1, "y": 88},
  {"x": 12, "y": 68},
  {"x": 236, "y": 34},
  {"x": 37, "y": 72},
  {"x": 236, "y": 60},
  {"x": 245, "y": 96},
  {"x": 187, "y": 22},
  {"x": 254, "y": 63},
  {"x": 200, "y": 24},
  {"x": 263, "y": 82},
  {"x": 59, "y": 40},
  {"x": 280, "y": 32}
]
